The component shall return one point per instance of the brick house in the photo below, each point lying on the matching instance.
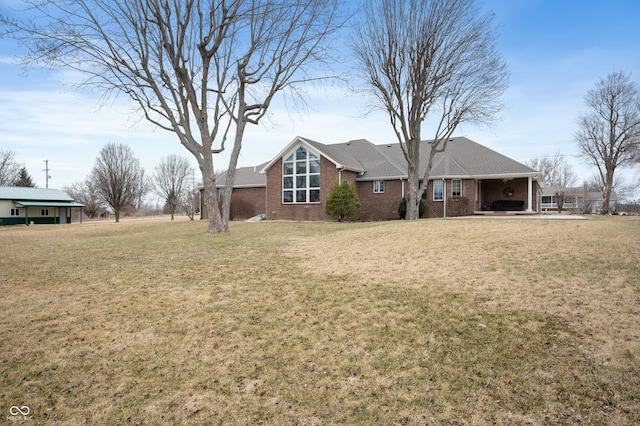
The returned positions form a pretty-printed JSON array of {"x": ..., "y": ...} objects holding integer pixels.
[{"x": 468, "y": 178}]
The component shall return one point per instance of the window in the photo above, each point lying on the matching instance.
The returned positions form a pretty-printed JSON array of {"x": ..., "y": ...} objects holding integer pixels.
[
  {"x": 437, "y": 190},
  {"x": 15, "y": 212},
  {"x": 378, "y": 186},
  {"x": 44, "y": 212},
  {"x": 301, "y": 177},
  {"x": 456, "y": 188}
]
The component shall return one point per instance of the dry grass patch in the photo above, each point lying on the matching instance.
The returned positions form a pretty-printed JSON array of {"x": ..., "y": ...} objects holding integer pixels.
[{"x": 432, "y": 322}]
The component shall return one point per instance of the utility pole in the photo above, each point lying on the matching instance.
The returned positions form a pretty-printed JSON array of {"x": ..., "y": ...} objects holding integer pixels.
[{"x": 46, "y": 170}]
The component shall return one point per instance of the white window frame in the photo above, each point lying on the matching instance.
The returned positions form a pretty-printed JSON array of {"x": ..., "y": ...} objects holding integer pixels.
[
  {"x": 301, "y": 171},
  {"x": 44, "y": 212},
  {"x": 378, "y": 187},
  {"x": 453, "y": 182},
  {"x": 440, "y": 184},
  {"x": 15, "y": 211}
]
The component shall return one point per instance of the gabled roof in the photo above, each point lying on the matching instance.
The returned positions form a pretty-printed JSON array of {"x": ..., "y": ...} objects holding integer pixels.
[
  {"x": 466, "y": 158},
  {"x": 342, "y": 158},
  {"x": 463, "y": 158},
  {"x": 41, "y": 197},
  {"x": 21, "y": 193}
]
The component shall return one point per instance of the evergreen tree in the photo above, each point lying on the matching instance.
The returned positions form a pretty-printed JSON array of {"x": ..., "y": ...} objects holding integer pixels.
[
  {"x": 342, "y": 201},
  {"x": 24, "y": 179},
  {"x": 402, "y": 209}
]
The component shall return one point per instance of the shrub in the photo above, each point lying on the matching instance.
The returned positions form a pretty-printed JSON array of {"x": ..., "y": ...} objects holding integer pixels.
[
  {"x": 342, "y": 201},
  {"x": 457, "y": 206},
  {"x": 402, "y": 209}
]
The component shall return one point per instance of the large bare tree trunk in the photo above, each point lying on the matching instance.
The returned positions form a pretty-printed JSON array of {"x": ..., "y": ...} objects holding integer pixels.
[
  {"x": 201, "y": 70},
  {"x": 606, "y": 193},
  {"x": 429, "y": 59},
  {"x": 609, "y": 134}
]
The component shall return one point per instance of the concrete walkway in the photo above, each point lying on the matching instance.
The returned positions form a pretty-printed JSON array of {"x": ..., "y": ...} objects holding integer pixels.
[{"x": 525, "y": 217}]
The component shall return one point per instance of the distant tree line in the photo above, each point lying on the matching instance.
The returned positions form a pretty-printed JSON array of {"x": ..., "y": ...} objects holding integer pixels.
[
  {"x": 205, "y": 71},
  {"x": 118, "y": 182},
  {"x": 11, "y": 172}
]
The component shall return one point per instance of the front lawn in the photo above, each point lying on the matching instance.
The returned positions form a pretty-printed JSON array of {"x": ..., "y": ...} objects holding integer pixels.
[{"x": 464, "y": 322}]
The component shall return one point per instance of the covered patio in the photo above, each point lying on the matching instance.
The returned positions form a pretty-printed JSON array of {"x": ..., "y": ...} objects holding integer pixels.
[
  {"x": 508, "y": 195},
  {"x": 56, "y": 212}
]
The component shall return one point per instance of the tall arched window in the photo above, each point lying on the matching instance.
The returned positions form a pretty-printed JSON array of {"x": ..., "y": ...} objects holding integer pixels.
[{"x": 301, "y": 177}]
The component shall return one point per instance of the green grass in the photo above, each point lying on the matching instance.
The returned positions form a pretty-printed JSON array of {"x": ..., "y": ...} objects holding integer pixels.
[{"x": 432, "y": 322}]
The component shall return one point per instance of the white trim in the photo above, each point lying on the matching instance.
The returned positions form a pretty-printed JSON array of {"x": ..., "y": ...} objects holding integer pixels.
[
  {"x": 305, "y": 142},
  {"x": 529, "y": 193},
  {"x": 433, "y": 190},
  {"x": 459, "y": 180},
  {"x": 307, "y": 175}
]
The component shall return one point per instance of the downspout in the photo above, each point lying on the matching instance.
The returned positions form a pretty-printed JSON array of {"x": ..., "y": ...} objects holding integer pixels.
[
  {"x": 340, "y": 175},
  {"x": 529, "y": 193},
  {"x": 444, "y": 197},
  {"x": 402, "y": 184}
]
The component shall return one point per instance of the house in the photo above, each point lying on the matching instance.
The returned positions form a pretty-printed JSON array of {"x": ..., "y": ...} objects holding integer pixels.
[
  {"x": 249, "y": 192},
  {"x": 24, "y": 205},
  {"x": 576, "y": 199},
  {"x": 467, "y": 178}
]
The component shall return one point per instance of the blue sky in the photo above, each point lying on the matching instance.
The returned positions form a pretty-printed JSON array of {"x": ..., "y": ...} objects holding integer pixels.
[{"x": 556, "y": 51}]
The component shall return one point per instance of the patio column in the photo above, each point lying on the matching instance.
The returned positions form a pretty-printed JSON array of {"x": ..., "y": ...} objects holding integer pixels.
[{"x": 529, "y": 193}]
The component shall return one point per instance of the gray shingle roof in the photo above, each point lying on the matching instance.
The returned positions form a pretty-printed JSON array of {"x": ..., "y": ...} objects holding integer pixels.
[
  {"x": 466, "y": 158},
  {"x": 463, "y": 158},
  {"x": 245, "y": 177}
]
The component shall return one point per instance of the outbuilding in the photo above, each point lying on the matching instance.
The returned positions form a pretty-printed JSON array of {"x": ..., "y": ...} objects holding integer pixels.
[{"x": 28, "y": 206}]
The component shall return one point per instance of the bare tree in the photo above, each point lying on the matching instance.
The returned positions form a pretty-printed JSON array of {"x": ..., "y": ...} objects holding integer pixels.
[
  {"x": 192, "y": 199},
  {"x": 200, "y": 69},
  {"x": 609, "y": 133},
  {"x": 145, "y": 184},
  {"x": 86, "y": 193},
  {"x": 171, "y": 181},
  {"x": 9, "y": 167},
  {"x": 555, "y": 170},
  {"x": 429, "y": 59},
  {"x": 118, "y": 177}
]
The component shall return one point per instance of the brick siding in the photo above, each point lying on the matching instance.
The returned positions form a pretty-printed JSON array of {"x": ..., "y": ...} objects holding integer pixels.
[
  {"x": 383, "y": 206},
  {"x": 248, "y": 202}
]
